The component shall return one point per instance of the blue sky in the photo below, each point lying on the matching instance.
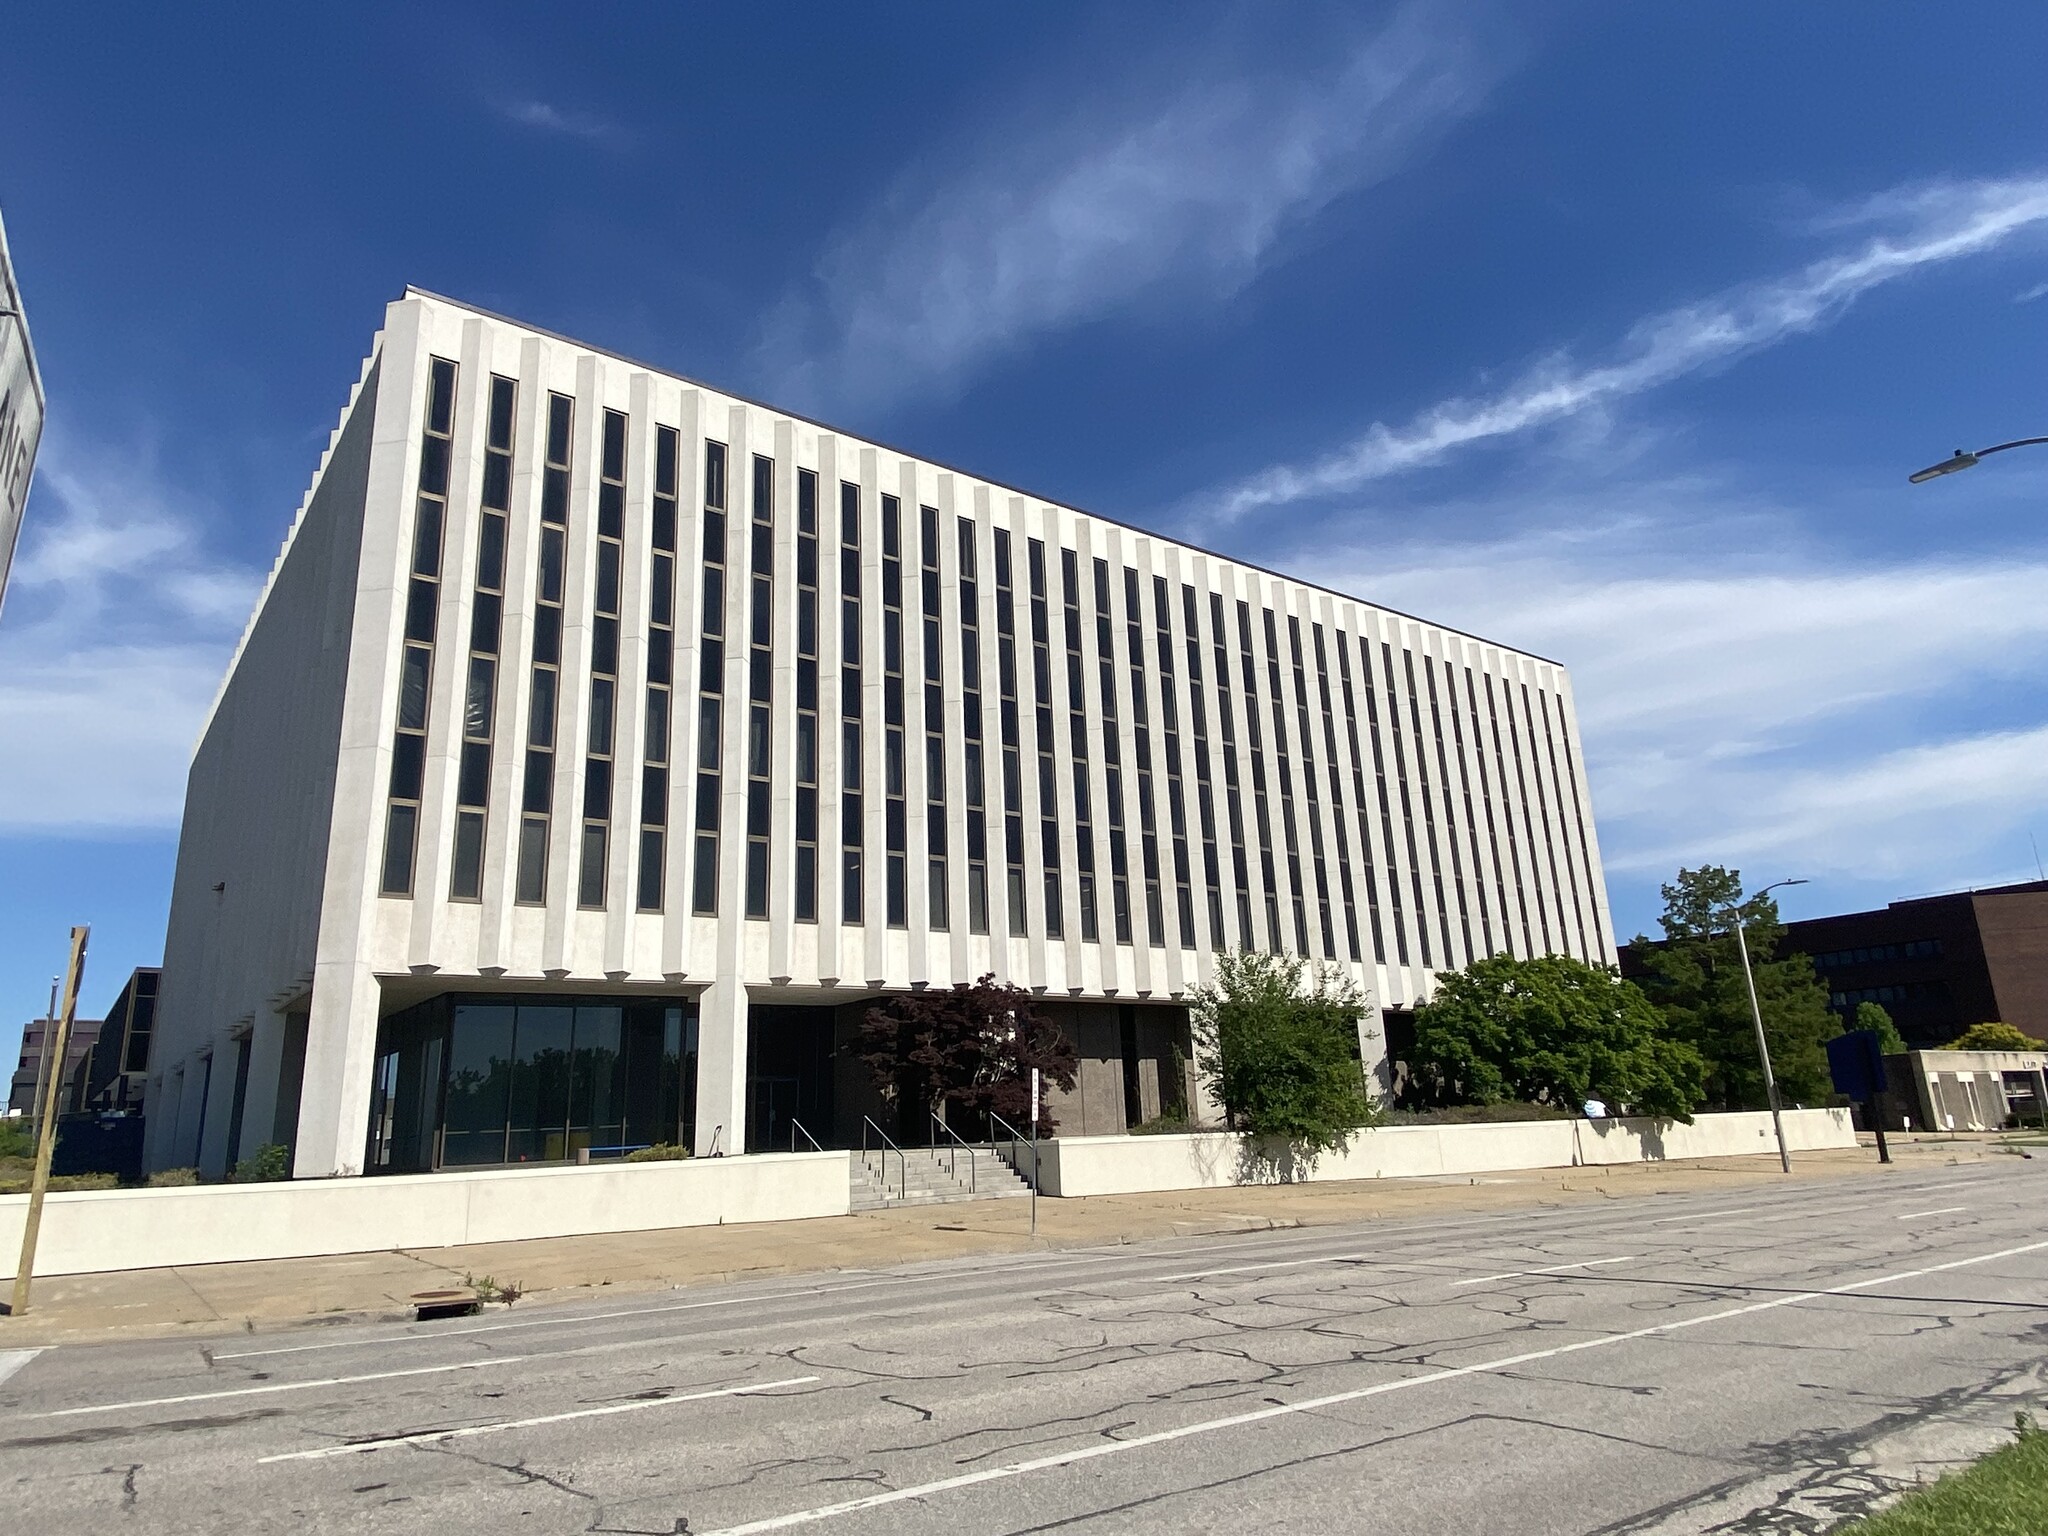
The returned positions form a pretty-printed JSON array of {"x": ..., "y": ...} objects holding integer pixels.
[{"x": 1607, "y": 331}]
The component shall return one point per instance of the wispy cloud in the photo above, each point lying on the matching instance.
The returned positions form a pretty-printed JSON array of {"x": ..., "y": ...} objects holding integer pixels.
[
  {"x": 547, "y": 118},
  {"x": 1192, "y": 188},
  {"x": 2028, "y": 295},
  {"x": 1750, "y": 698},
  {"x": 119, "y": 625},
  {"x": 1929, "y": 226}
]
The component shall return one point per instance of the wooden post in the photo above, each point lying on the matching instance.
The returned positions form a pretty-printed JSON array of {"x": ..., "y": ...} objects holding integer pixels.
[{"x": 46, "y": 1142}]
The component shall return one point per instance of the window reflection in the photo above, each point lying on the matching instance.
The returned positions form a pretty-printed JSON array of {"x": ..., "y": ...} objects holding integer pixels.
[{"x": 530, "y": 1080}]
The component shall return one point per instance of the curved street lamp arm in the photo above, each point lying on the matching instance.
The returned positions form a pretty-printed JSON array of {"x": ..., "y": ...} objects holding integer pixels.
[
  {"x": 1962, "y": 460},
  {"x": 2018, "y": 442}
]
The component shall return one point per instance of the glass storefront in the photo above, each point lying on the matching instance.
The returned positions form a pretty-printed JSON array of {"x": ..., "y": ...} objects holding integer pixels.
[{"x": 466, "y": 1082}]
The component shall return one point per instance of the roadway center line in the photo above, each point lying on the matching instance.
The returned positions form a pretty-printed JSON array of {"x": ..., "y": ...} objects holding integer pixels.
[
  {"x": 1941, "y": 1211},
  {"x": 1554, "y": 1269},
  {"x": 1310, "y": 1405},
  {"x": 279, "y": 1386},
  {"x": 360, "y": 1447}
]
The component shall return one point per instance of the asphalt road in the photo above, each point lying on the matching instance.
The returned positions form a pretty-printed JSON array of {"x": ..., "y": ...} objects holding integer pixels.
[{"x": 1671, "y": 1363}]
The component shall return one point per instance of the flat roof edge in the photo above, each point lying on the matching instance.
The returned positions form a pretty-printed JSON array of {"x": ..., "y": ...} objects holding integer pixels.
[{"x": 413, "y": 290}]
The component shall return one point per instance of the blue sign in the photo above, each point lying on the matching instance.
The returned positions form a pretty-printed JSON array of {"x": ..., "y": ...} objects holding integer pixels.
[{"x": 1857, "y": 1065}]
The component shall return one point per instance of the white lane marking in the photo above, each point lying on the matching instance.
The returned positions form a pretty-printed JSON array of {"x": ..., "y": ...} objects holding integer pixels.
[
  {"x": 1406, "y": 1232},
  {"x": 1309, "y": 1405},
  {"x": 656, "y": 1311},
  {"x": 550, "y": 1322},
  {"x": 280, "y": 1386},
  {"x": 360, "y": 1447},
  {"x": 1757, "y": 1221},
  {"x": 12, "y": 1360},
  {"x": 1241, "y": 1269},
  {"x": 1554, "y": 1269},
  {"x": 1740, "y": 1210},
  {"x": 1942, "y": 1211}
]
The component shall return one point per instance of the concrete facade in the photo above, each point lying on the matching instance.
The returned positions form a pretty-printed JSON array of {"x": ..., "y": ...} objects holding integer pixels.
[
  {"x": 1964, "y": 1090},
  {"x": 21, "y": 412},
  {"x": 771, "y": 714}
]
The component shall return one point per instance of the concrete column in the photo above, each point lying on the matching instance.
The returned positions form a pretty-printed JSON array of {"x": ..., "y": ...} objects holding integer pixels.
[
  {"x": 161, "y": 1127},
  {"x": 211, "y": 1156},
  {"x": 722, "y": 1066},
  {"x": 191, "y": 1111},
  {"x": 266, "y": 1059},
  {"x": 1372, "y": 1050},
  {"x": 341, "y": 1046}
]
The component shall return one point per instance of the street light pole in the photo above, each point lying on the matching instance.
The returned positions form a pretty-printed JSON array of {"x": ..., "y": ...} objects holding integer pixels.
[
  {"x": 1756, "y": 1016},
  {"x": 1961, "y": 460}
]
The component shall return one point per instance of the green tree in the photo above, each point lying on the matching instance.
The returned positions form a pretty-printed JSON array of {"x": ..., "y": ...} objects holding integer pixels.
[
  {"x": 1695, "y": 979},
  {"x": 1993, "y": 1037},
  {"x": 1280, "y": 1042},
  {"x": 1873, "y": 1016},
  {"x": 1552, "y": 1030},
  {"x": 972, "y": 1046}
]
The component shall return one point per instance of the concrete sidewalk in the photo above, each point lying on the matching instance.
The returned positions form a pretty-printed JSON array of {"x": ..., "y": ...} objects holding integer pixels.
[{"x": 280, "y": 1293}]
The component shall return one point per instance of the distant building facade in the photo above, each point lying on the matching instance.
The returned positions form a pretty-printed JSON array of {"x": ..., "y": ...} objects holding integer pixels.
[
  {"x": 32, "y": 1065},
  {"x": 1963, "y": 1090},
  {"x": 604, "y": 745},
  {"x": 21, "y": 412},
  {"x": 1938, "y": 964},
  {"x": 112, "y": 1077}
]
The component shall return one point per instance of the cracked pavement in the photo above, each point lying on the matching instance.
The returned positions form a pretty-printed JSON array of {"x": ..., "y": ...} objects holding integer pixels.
[{"x": 1765, "y": 1361}]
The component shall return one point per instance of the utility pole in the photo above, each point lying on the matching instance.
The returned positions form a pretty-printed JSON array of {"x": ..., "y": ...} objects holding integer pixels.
[
  {"x": 35, "y": 1104},
  {"x": 1763, "y": 1049},
  {"x": 46, "y": 1141}
]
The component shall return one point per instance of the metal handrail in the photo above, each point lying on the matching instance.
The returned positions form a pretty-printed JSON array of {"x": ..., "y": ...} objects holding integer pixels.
[
  {"x": 952, "y": 1164},
  {"x": 902, "y": 1163},
  {"x": 796, "y": 1126},
  {"x": 1018, "y": 1141}
]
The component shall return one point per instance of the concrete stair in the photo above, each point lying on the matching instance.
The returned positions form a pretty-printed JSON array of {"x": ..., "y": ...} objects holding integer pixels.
[{"x": 925, "y": 1176}]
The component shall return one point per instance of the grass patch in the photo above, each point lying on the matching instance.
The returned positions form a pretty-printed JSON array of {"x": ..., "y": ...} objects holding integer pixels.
[{"x": 2005, "y": 1494}]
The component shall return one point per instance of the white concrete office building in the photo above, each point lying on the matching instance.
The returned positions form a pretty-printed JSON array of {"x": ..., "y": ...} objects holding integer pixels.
[
  {"x": 21, "y": 412},
  {"x": 603, "y": 745}
]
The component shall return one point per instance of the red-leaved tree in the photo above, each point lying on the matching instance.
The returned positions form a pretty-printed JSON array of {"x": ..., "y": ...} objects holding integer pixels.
[{"x": 972, "y": 1047}]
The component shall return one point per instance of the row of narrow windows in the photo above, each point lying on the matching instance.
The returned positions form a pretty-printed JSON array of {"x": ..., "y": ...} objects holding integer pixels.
[{"x": 1239, "y": 760}]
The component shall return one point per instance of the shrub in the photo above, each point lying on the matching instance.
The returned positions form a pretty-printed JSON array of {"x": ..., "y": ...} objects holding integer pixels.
[
  {"x": 1506, "y": 1112},
  {"x": 15, "y": 1140},
  {"x": 172, "y": 1178},
  {"x": 660, "y": 1152},
  {"x": 1281, "y": 1043},
  {"x": 266, "y": 1165},
  {"x": 1993, "y": 1037},
  {"x": 1551, "y": 1030},
  {"x": 1171, "y": 1124}
]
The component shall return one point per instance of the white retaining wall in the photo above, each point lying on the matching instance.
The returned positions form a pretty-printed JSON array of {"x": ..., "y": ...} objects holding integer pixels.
[
  {"x": 91, "y": 1231},
  {"x": 96, "y": 1230},
  {"x": 1113, "y": 1165}
]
